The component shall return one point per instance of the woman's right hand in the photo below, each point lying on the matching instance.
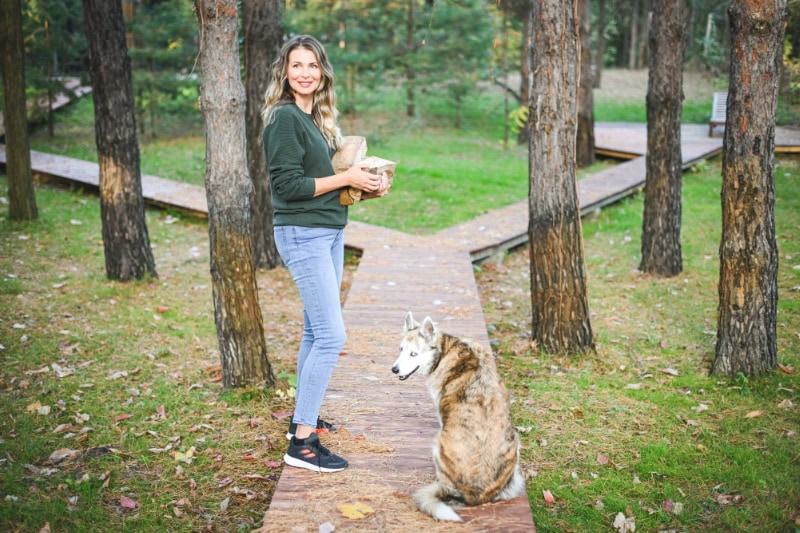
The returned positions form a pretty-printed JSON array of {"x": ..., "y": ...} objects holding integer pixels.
[{"x": 359, "y": 178}]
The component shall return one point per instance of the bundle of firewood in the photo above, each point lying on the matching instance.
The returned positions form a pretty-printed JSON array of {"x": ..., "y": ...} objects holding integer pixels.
[{"x": 354, "y": 152}]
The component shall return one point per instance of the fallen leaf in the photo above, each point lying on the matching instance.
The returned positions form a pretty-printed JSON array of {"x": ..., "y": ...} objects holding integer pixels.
[
  {"x": 624, "y": 525},
  {"x": 602, "y": 459},
  {"x": 753, "y": 414},
  {"x": 128, "y": 503},
  {"x": 45, "y": 528},
  {"x": 670, "y": 371},
  {"x": 123, "y": 416},
  {"x": 272, "y": 464},
  {"x": 786, "y": 369},
  {"x": 356, "y": 511},
  {"x": 548, "y": 497},
  {"x": 62, "y": 454},
  {"x": 223, "y": 505}
]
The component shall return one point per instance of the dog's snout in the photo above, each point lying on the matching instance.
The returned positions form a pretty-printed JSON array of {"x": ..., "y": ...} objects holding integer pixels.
[{"x": 395, "y": 369}]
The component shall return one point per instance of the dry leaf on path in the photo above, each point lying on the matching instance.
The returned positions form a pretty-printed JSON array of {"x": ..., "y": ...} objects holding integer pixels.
[{"x": 356, "y": 511}]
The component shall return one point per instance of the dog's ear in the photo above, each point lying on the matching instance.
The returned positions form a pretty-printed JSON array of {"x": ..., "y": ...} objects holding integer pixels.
[
  {"x": 409, "y": 323},
  {"x": 429, "y": 330}
]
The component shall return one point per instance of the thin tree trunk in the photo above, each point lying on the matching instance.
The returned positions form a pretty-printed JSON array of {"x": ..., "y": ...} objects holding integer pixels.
[
  {"x": 21, "y": 194},
  {"x": 601, "y": 43},
  {"x": 525, "y": 72},
  {"x": 237, "y": 314},
  {"x": 633, "y": 45},
  {"x": 748, "y": 286},
  {"x": 661, "y": 230},
  {"x": 409, "y": 69},
  {"x": 125, "y": 238},
  {"x": 584, "y": 148},
  {"x": 263, "y": 35},
  {"x": 558, "y": 278}
]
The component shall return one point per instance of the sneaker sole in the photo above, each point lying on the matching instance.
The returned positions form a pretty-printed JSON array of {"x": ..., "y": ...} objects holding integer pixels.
[{"x": 299, "y": 463}]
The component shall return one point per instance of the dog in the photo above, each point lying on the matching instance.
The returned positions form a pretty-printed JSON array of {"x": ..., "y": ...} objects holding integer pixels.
[{"x": 476, "y": 452}]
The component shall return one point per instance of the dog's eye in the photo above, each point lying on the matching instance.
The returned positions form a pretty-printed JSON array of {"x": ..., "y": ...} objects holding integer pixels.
[{"x": 413, "y": 354}]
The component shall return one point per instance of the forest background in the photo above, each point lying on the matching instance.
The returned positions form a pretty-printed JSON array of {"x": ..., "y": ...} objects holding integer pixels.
[{"x": 624, "y": 431}]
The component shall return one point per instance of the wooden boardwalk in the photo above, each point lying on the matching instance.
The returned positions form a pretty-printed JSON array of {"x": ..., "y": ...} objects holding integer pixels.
[{"x": 389, "y": 425}]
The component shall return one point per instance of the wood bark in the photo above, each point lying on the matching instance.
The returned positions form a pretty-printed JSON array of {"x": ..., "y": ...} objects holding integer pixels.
[
  {"x": 263, "y": 36},
  {"x": 525, "y": 70},
  {"x": 125, "y": 238},
  {"x": 558, "y": 279},
  {"x": 237, "y": 314},
  {"x": 748, "y": 287},
  {"x": 584, "y": 147},
  {"x": 601, "y": 43},
  {"x": 21, "y": 194},
  {"x": 661, "y": 228}
]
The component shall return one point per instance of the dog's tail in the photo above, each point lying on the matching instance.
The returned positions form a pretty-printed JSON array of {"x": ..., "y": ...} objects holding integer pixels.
[{"x": 432, "y": 500}]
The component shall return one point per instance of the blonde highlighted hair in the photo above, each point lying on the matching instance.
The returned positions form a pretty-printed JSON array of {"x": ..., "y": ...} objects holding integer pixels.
[{"x": 279, "y": 93}]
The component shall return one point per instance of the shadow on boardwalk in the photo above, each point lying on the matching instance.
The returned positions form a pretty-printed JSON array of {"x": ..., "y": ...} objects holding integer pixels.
[{"x": 389, "y": 425}]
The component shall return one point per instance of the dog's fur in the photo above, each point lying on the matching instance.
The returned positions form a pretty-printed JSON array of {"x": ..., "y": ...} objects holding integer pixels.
[{"x": 476, "y": 453}]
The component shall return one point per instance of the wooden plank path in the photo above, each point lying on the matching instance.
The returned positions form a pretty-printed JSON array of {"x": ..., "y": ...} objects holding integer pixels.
[{"x": 388, "y": 425}]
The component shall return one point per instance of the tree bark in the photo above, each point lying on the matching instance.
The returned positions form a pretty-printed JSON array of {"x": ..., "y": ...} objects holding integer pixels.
[
  {"x": 525, "y": 71},
  {"x": 584, "y": 148},
  {"x": 237, "y": 314},
  {"x": 408, "y": 67},
  {"x": 21, "y": 194},
  {"x": 558, "y": 278},
  {"x": 661, "y": 229},
  {"x": 125, "y": 238},
  {"x": 263, "y": 36},
  {"x": 601, "y": 43},
  {"x": 748, "y": 286}
]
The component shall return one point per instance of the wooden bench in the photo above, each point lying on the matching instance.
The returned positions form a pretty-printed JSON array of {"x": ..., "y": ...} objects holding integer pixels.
[{"x": 718, "y": 111}]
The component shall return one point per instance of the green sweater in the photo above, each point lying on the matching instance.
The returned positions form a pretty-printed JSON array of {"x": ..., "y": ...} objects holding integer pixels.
[{"x": 297, "y": 153}]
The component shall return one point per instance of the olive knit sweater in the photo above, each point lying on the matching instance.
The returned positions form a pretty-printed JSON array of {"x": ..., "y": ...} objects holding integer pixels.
[{"x": 297, "y": 153}]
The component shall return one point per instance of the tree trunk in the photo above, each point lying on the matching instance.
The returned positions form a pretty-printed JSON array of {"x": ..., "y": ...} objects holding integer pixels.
[
  {"x": 558, "y": 279},
  {"x": 748, "y": 286},
  {"x": 125, "y": 238},
  {"x": 243, "y": 350},
  {"x": 601, "y": 43},
  {"x": 584, "y": 145},
  {"x": 409, "y": 69},
  {"x": 525, "y": 72},
  {"x": 633, "y": 44},
  {"x": 263, "y": 36},
  {"x": 21, "y": 194},
  {"x": 661, "y": 230}
]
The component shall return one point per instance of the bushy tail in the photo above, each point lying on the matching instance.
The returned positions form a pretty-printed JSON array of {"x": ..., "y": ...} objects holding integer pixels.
[{"x": 431, "y": 500}]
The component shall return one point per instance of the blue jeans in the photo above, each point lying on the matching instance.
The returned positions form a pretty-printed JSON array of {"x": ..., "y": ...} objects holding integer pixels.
[{"x": 315, "y": 258}]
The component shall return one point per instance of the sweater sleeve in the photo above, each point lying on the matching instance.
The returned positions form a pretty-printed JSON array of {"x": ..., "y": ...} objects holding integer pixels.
[{"x": 284, "y": 148}]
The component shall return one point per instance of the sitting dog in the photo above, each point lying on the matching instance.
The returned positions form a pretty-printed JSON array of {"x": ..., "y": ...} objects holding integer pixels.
[{"x": 476, "y": 452}]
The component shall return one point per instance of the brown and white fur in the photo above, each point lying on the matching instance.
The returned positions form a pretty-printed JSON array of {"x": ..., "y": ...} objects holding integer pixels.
[{"x": 476, "y": 452}]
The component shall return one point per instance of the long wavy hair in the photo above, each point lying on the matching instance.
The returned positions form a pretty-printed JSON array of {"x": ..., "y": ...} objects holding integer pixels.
[{"x": 279, "y": 93}]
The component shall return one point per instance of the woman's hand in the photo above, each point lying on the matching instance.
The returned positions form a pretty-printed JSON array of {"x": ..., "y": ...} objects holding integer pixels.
[
  {"x": 383, "y": 188},
  {"x": 359, "y": 178}
]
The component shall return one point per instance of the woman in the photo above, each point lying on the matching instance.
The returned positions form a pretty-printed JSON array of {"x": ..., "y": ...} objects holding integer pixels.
[{"x": 300, "y": 137}]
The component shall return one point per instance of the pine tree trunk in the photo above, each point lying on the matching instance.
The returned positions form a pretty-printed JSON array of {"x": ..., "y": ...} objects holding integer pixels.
[
  {"x": 243, "y": 350},
  {"x": 584, "y": 145},
  {"x": 661, "y": 229},
  {"x": 525, "y": 72},
  {"x": 21, "y": 194},
  {"x": 601, "y": 43},
  {"x": 558, "y": 279},
  {"x": 748, "y": 287},
  {"x": 263, "y": 36},
  {"x": 125, "y": 238}
]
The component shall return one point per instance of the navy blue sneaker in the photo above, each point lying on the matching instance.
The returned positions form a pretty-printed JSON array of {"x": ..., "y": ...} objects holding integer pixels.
[{"x": 309, "y": 453}]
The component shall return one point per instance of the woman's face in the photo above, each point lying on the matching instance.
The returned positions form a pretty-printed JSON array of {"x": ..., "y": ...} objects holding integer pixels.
[{"x": 304, "y": 73}]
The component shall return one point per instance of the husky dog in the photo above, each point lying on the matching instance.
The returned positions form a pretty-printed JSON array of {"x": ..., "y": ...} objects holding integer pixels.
[{"x": 476, "y": 453}]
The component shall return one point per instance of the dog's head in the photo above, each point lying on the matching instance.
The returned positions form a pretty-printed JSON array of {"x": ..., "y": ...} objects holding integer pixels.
[{"x": 418, "y": 348}]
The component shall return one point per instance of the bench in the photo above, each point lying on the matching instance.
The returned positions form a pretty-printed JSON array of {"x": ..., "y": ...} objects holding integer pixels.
[{"x": 718, "y": 111}]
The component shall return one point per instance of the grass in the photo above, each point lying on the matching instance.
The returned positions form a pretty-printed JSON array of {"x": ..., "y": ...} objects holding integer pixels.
[
  {"x": 611, "y": 432},
  {"x": 616, "y": 431}
]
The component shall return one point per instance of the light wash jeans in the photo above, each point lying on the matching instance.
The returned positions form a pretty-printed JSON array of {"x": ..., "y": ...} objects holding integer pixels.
[{"x": 315, "y": 258}]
